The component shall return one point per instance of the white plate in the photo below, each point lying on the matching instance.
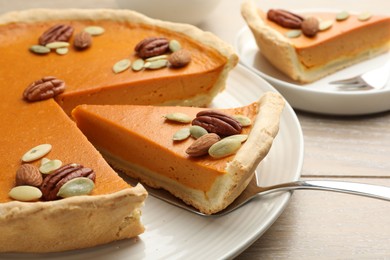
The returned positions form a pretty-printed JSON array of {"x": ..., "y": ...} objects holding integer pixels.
[
  {"x": 319, "y": 96},
  {"x": 177, "y": 234}
]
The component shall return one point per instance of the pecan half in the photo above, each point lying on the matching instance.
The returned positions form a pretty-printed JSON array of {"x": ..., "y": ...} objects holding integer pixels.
[
  {"x": 285, "y": 18},
  {"x": 56, "y": 33},
  {"x": 152, "y": 46},
  {"x": 54, "y": 181},
  {"x": 82, "y": 40},
  {"x": 217, "y": 122},
  {"x": 45, "y": 88}
]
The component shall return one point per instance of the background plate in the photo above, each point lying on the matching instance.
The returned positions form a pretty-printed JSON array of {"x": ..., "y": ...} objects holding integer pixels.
[
  {"x": 318, "y": 96},
  {"x": 177, "y": 234}
]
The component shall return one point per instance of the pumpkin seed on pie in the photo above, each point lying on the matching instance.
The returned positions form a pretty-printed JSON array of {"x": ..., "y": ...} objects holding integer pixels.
[
  {"x": 197, "y": 131},
  {"x": 94, "y": 30},
  {"x": 156, "y": 64},
  {"x": 174, "y": 45},
  {"x": 364, "y": 16},
  {"x": 178, "y": 117},
  {"x": 62, "y": 51},
  {"x": 293, "y": 33},
  {"x": 76, "y": 187},
  {"x": 181, "y": 134},
  {"x": 121, "y": 66},
  {"x": 138, "y": 65},
  {"x": 39, "y": 49},
  {"x": 56, "y": 45},
  {"x": 50, "y": 166},
  {"x": 36, "y": 153},
  {"x": 341, "y": 16},
  {"x": 325, "y": 25},
  {"x": 244, "y": 120},
  {"x": 224, "y": 148},
  {"x": 25, "y": 193}
]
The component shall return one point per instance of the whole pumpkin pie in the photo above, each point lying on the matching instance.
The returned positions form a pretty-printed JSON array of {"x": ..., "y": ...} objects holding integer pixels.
[
  {"x": 157, "y": 146},
  {"x": 307, "y": 47},
  {"x": 83, "y": 57}
]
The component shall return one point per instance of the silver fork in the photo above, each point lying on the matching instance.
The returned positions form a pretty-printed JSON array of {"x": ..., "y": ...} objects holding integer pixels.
[
  {"x": 373, "y": 79},
  {"x": 254, "y": 191}
]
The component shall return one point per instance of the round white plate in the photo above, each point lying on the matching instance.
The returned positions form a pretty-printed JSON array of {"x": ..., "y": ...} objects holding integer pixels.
[
  {"x": 173, "y": 233},
  {"x": 318, "y": 96}
]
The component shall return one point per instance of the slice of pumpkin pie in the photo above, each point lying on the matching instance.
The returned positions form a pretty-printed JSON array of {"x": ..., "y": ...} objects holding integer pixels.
[
  {"x": 206, "y": 157},
  {"x": 309, "y": 46}
]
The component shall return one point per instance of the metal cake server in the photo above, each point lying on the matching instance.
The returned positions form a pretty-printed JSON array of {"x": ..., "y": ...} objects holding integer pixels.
[{"x": 254, "y": 191}]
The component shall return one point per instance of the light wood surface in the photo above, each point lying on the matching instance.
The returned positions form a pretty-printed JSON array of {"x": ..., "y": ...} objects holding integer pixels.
[{"x": 315, "y": 225}]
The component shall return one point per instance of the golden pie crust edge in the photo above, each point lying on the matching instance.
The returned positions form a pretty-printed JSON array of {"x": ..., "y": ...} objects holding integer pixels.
[
  {"x": 281, "y": 53},
  {"x": 239, "y": 171},
  {"x": 85, "y": 221}
]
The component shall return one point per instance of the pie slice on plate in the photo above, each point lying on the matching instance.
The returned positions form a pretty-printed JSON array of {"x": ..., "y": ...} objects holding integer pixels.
[
  {"x": 157, "y": 146},
  {"x": 309, "y": 46}
]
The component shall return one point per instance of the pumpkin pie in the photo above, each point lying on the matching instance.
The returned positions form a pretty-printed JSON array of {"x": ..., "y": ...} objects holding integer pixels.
[
  {"x": 112, "y": 211},
  {"x": 150, "y": 152},
  {"x": 340, "y": 39}
]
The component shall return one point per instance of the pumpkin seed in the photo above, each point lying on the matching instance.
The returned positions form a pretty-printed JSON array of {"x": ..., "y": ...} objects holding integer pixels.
[
  {"x": 197, "y": 131},
  {"x": 178, "y": 117},
  {"x": 181, "y": 134},
  {"x": 224, "y": 148},
  {"x": 36, "y": 152},
  {"x": 39, "y": 49},
  {"x": 293, "y": 33},
  {"x": 76, "y": 187},
  {"x": 44, "y": 160},
  {"x": 174, "y": 45},
  {"x": 62, "y": 51},
  {"x": 94, "y": 30},
  {"x": 56, "y": 45},
  {"x": 240, "y": 137},
  {"x": 159, "y": 57},
  {"x": 50, "y": 166},
  {"x": 244, "y": 120},
  {"x": 157, "y": 64},
  {"x": 138, "y": 65},
  {"x": 342, "y": 16},
  {"x": 25, "y": 193},
  {"x": 121, "y": 66},
  {"x": 364, "y": 16},
  {"x": 325, "y": 25}
]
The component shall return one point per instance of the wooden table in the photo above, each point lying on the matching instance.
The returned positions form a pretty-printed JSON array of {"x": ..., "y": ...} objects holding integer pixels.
[{"x": 315, "y": 225}]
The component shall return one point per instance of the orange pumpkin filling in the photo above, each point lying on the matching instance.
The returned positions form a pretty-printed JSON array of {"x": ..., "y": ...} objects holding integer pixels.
[{"x": 350, "y": 35}]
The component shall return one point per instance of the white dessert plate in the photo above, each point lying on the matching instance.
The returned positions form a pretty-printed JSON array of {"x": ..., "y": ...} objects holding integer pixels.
[
  {"x": 173, "y": 233},
  {"x": 318, "y": 96}
]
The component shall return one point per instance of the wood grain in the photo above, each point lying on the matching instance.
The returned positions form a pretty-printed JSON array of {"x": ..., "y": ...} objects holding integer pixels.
[
  {"x": 327, "y": 225},
  {"x": 346, "y": 146}
]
